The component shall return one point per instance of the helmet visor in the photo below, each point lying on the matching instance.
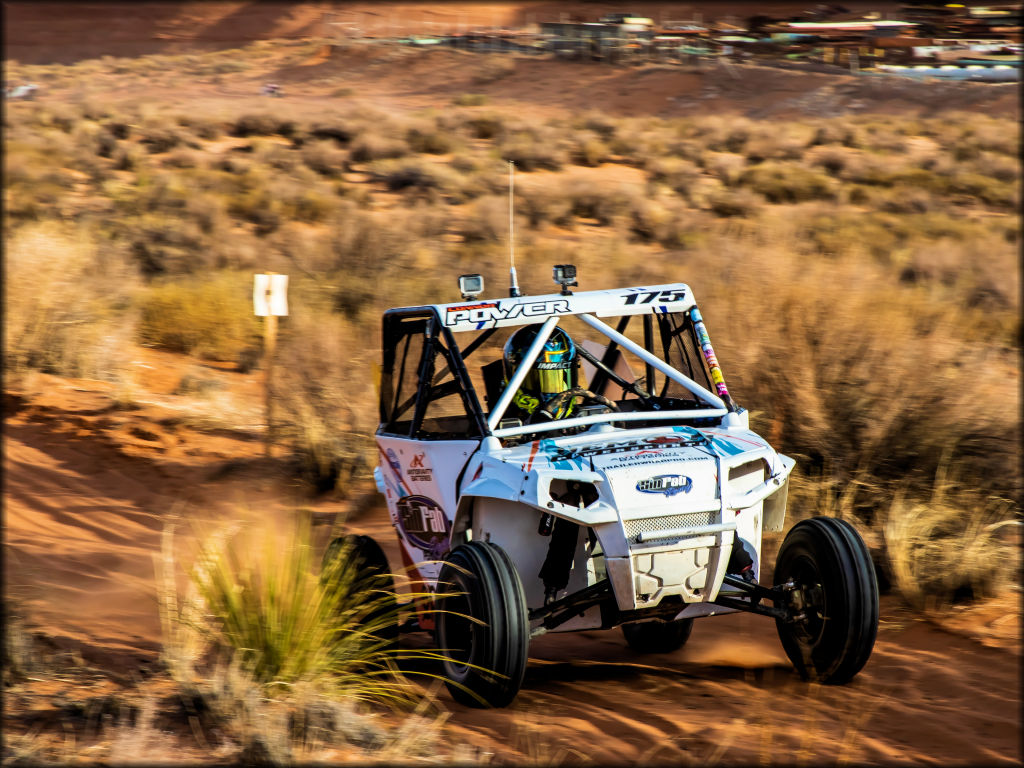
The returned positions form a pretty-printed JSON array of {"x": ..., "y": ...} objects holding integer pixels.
[{"x": 551, "y": 382}]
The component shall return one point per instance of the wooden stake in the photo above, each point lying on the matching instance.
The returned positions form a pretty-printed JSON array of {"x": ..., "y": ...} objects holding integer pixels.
[{"x": 269, "y": 346}]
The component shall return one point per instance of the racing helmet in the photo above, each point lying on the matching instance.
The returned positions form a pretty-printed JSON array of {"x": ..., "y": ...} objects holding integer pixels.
[{"x": 553, "y": 372}]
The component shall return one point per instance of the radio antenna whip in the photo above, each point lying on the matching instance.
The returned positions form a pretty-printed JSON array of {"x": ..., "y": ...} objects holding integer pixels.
[{"x": 513, "y": 289}]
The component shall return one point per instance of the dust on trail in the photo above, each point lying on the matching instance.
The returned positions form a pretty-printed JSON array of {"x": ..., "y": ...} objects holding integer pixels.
[{"x": 89, "y": 488}]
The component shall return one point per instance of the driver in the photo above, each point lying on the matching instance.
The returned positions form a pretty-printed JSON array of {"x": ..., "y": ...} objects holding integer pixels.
[{"x": 550, "y": 389}]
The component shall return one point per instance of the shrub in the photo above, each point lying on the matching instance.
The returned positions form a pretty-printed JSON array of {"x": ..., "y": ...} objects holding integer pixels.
[
  {"x": 588, "y": 149},
  {"x": 67, "y": 303},
  {"x": 487, "y": 220},
  {"x": 952, "y": 546},
  {"x": 324, "y": 158},
  {"x": 531, "y": 154},
  {"x": 159, "y": 137},
  {"x": 484, "y": 126},
  {"x": 261, "y": 124},
  {"x": 424, "y": 136},
  {"x": 412, "y": 174},
  {"x": 368, "y": 146},
  {"x": 786, "y": 183},
  {"x": 734, "y": 202},
  {"x": 678, "y": 174},
  {"x": 209, "y": 316},
  {"x": 470, "y": 100}
]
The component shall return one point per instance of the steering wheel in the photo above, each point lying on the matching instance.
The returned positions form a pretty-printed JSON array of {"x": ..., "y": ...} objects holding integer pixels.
[{"x": 556, "y": 403}]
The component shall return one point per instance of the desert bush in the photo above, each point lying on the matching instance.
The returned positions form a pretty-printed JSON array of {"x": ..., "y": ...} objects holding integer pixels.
[
  {"x": 427, "y": 136},
  {"x": 788, "y": 183},
  {"x": 484, "y": 126},
  {"x": 286, "y": 655},
  {"x": 607, "y": 205},
  {"x": 261, "y": 124},
  {"x": 325, "y": 158},
  {"x": 369, "y": 146},
  {"x": 588, "y": 149},
  {"x": 327, "y": 406},
  {"x": 159, "y": 136},
  {"x": 67, "y": 302},
  {"x": 487, "y": 220},
  {"x": 531, "y": 153},
  {"x": 836, "y": 131},
  {"x": 542, "y": 204},
  {"x": 601, "y": 124},
  {"x": 734, "y": 202},
  {"x": 832, "y": 159},
  {"x": 677, "y": 174},
  {"x": 955, "y": 545},
  {"x": 727, "y": 167},
  {"x": 834, "y": 363},
  {"x": 414, "y": 174},
  {"x": 470, "y": 100},
  {"x": 339, "y": 129},
  {"x": 209, "y": 316},
  {"x": 666, "y": 222}
]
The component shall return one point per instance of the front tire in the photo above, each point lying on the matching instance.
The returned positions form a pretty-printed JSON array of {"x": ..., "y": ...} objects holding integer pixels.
[
  {"x": 657, "y": 636},
  {"x": 483, "y": 627},
  {"x": 360, "y": 570},
  {"x": 836, "y": 598}
]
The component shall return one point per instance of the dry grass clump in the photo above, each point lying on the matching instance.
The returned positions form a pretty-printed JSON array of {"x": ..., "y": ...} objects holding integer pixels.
[
  {"x": 788, "y": 183},
  {"x": 955, "y": 545},
  {"x": 284, "y": 657},
  {"x": 68, "y": 302},
  {"x": 734, "y": 202},
  {"x": 588, "y": 149},
  {"x": 370, "y": 146},
  {"x": 326, "y": 404},
  {"x": 209, "y": 316},
  {"x": 533, "y": 152},
  {"x": 677, "y": 174}
]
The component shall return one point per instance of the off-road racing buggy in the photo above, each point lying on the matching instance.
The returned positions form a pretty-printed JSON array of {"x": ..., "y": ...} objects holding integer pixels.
[{"x": 574, "y": 462}]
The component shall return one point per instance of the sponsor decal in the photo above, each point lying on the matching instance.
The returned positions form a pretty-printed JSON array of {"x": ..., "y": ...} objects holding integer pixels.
[
  {"x": 424, "y": 525},
  {"x": 489, "y": 311},
  {"x": 668, "y": 485},
  {"x": 654, "y": 297},
  {"x": 417, "y": 472},
  {"x": 649, "y": 445}
]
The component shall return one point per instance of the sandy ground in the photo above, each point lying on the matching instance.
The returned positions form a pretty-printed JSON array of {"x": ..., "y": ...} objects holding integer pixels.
[{"x": 92, "y": 474}]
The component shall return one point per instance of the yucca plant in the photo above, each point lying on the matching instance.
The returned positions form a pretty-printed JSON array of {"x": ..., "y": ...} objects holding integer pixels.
[{"x": 260, "y": 601}]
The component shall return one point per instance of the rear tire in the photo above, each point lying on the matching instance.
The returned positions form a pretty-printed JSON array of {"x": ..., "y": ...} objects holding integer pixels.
[
  {"x": 485, "y": 660},
  {"x": 657, "y": 636},
  {"x": 367, "y": 565},
  {"x": 830, "y": 564}
]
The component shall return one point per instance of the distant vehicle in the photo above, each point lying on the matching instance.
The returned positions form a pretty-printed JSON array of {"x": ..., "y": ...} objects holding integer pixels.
[
  {"x": 570, "y": 462},
  {"x": 26, "y": 92}
]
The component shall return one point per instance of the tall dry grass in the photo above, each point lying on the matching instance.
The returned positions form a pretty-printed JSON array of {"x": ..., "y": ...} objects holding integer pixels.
[
  {"x": 68, "y": 303},
  {"x": 291, "y": 657}
]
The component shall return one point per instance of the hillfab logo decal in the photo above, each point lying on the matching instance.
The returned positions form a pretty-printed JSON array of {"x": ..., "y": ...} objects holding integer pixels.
[
  {"x": 669, "y": 485},
  {"x": 492, "y": 310}
]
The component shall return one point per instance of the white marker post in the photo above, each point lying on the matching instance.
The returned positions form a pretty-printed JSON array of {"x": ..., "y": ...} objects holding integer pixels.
[{"x": 270, "y": 300}]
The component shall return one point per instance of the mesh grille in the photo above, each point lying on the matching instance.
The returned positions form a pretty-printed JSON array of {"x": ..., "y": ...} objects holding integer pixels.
[{"x": 653, "y": 524}]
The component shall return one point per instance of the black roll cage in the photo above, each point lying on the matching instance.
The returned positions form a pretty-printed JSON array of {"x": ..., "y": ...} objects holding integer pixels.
[{"x": 438, "y": 337}]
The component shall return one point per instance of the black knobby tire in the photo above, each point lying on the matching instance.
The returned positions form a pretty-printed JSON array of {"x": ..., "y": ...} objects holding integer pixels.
[
  {"x": 657, "y": 636},
  {"x": 368, "y": 566},
  {"x": 485, "y": 660},
  {"x": 827, "y": 559}
]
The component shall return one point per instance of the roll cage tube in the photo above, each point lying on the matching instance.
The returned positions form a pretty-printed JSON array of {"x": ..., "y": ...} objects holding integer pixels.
[
  {"x": 524, "y": 368},
  {"x": 718, "y": 408}
]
